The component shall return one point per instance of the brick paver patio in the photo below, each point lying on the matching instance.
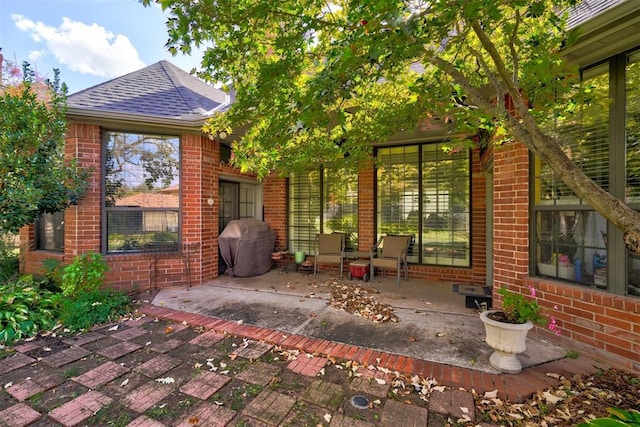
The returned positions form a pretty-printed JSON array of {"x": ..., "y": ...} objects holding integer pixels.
[{"x": 232, "y": 374}]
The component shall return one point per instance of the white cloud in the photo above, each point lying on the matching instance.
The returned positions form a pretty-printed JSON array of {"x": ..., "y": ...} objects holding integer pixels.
[
  {"x": 89, "y": 49},
  {"x": 34, "y": 55}
]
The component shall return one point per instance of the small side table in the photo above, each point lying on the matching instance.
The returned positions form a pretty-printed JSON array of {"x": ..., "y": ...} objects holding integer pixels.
[
  {"x": 305, "y": 267},
  {"x": 282, "y": 260},
  {"x": 359, "y": 268}
]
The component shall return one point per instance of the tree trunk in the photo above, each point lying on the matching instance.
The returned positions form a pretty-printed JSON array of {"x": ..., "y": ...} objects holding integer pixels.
[{"x": 548, "y": 149}]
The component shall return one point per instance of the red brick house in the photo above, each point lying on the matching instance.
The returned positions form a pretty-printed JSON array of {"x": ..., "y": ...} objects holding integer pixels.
[{"x": 493, "y": 216}]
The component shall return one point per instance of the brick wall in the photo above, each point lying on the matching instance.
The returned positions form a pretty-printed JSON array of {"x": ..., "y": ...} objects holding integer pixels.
[
  {"x": 136, "y": 271},
  {"x": 511, "y": 215},
  {"x": 595, "y": 323},
  {"x": 366, "y": 212},
  {"x": 275, "y": 208}
]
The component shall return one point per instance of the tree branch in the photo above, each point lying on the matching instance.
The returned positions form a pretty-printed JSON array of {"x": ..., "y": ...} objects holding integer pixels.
[
  {"x": 512, "y": 48},
  {"x": 501, "y": 68}
]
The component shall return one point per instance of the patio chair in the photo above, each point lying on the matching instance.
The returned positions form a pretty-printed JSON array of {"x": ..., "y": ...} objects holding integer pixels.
[
  {"x": 391, "y": 253},
  {"x": 329, "y": 250}
]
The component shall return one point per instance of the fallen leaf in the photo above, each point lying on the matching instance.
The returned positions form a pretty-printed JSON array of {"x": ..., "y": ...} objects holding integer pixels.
[
  {"x": 551, "y": 398},
  {"x": 380, "y": 381},
  {"x": 168, "y": 329},
  {"x": 491, "y": 394},
  {"x": 327, "y": 417},
  {"x": 113, "y": 328},
  {"x": 167, "y": 380},
  {"x": 124, "y": 383}
]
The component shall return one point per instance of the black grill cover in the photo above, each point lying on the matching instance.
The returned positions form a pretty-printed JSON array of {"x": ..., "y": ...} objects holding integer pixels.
[{"x": 246, "y": 246}]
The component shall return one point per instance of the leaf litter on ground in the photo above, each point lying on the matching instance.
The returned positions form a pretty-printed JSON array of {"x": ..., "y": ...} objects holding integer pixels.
[
  {"x": 360, "y": 301},
  {"x": 570, "y": 402}
]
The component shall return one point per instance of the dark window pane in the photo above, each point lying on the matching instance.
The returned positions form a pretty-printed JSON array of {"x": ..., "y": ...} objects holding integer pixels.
[
  {"x": 142, "y": 170},
  {"x": 322, "y": 202},
  {"x": 446, "y": 229},
  {"x": 50, "y": 232},
  {"x": 304, "y": 211},
  {"x": 571, "y": 245},
  {"x": 340, "y": 201},
  {"x": 584, "y": 136},
  {"x": 398, "y": 200},
  {"x": 633, "y": 159},
  {"x": 633, "y": 129},
  {"x": 142, "y": 230},
  {"x": 424, "y": 192}
]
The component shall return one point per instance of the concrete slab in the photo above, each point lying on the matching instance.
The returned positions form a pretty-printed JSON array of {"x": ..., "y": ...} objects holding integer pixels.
[{"x": 434, "y": 324}]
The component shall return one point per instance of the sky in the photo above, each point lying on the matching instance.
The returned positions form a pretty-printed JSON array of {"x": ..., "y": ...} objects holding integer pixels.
[{"x": 89, "y": 41}]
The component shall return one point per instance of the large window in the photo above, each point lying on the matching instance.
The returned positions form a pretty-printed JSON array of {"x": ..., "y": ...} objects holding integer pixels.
[
  {"x": 572, "y": 241},
  {"x": 141, "y": 192},
  {"x": 424, "y": 191},
  {"x": 323, "y": 201}
]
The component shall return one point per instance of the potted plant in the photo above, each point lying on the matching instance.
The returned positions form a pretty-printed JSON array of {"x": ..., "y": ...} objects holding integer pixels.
[{"x": 507, "y": 329}]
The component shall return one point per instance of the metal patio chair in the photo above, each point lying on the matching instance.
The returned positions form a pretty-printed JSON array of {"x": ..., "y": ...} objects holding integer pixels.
[
  {"x": 329, "y": 250},
  {"x": 391, "y": 253}
]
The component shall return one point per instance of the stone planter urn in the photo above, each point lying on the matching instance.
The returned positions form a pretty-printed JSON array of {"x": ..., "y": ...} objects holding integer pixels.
[{"x": 508, "y": 340}]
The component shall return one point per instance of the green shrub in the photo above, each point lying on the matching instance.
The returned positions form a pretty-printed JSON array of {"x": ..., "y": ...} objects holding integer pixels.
[
  {"x": 84, "y": 274},
  {"x": 618, "y": 417},
  {"x": 9, "y": 261},
  {"x": 51, "y": 278},
  {"x": 9, "y": 267},
  {"x": 93, "y": 307},
  {"x": 25, "y": 309}
]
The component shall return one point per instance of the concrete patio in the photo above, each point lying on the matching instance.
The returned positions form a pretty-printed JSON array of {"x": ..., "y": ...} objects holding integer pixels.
[{"x": 433, "y": 325}]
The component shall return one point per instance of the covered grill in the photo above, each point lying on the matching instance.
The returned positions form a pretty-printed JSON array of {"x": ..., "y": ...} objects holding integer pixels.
[{"x": 246, "y": 246}]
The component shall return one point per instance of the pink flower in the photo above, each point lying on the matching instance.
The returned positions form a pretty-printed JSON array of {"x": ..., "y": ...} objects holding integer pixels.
[
  {"x": 533, "y": 291},
  {"x": 553, "y": 326}
]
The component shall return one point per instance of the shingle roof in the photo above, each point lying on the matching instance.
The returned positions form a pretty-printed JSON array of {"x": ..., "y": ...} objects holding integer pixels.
[
  {"x": 161, "y": 90},
  {"x": 588, "y": 9}
]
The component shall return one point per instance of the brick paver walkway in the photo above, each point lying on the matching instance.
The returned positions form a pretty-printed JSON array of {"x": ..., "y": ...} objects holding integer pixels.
[{"x": 173, "y": 368}]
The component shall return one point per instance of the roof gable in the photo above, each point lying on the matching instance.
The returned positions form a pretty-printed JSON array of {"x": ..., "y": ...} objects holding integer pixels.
[{"x": 159, "y": 90}]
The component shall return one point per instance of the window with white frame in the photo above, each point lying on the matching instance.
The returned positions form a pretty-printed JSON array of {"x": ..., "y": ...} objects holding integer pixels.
[{"x": 50, "y": 232}]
